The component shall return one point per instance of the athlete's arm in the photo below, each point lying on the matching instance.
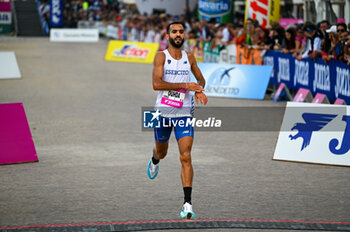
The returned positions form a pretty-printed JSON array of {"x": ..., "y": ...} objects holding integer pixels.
[
  {"x": 199, "y": 96},
  {"x": 195, "y": 70},
  {"x": 160, "y": 84}
]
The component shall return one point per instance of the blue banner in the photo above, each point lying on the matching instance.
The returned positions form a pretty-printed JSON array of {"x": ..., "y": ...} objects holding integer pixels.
[
  {"x": 236, "y": 81},
  {"x": 56, "y": 13},
  {"x": 332, "y": 79}
]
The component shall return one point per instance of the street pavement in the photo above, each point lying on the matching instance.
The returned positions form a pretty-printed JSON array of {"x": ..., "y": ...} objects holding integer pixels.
[{"x": 85, "y": 118}]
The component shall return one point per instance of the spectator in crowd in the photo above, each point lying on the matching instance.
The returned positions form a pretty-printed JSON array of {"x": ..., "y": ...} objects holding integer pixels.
[
  {"x": 262, "y": 37},
  {"x": 313, "y": 41},
  {"x": 300, "y": 40},
  {"x": 241, "y": 36},
  {"x": 341, "y": 27},
  {"x": 289, "y": 41},
  {"x": 206, "y": 34},
  {"x": 276, "y": 38}
]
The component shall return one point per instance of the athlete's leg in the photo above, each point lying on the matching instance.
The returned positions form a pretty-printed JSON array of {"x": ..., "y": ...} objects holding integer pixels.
[
  {"x": 160, "y": 150},
  {"x": 185, "y": 146},
  {"x": 161, "y": 136}
]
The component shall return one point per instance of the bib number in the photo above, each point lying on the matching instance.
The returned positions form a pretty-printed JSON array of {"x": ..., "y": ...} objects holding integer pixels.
[{"x": 174, "y": 98}]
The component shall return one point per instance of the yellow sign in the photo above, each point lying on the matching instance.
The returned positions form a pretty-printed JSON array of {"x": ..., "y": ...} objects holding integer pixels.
[{"x": 127, "y": 51}]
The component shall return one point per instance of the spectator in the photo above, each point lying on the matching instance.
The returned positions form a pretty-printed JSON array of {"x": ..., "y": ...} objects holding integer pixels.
[
  {"x": 299, "y": 40},
  {"x": 276, "y": 39},
  {"x": 341, "y": 27},
  {"x": 313, "y": 41},
  {"x": 289, "y": 41},
  {"x": 262, "y": 37}
]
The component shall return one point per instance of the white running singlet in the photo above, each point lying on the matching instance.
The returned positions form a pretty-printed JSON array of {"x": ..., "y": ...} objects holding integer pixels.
[{"x": 175, "y": 103}]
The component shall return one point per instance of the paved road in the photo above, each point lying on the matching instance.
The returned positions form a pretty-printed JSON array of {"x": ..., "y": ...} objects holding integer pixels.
[{"x": 85, "y": 115}]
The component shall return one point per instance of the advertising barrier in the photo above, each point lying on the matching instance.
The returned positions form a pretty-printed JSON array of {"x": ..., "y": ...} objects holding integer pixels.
[
  {"x": 235, "y": 81},
  {"x": 332, "y": 79},
  {"x": 248, "y": 56},
  {"x": 74, "y": 35},
  {"x": 126, "y": 51},
  {"x": 315, "y": 133},
  {"x": 5, "y": 18},
  {"x": 56, "y": 13}
]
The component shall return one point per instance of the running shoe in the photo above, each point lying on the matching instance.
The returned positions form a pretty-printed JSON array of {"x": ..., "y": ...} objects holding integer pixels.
[
  {"x": 152, "y": 170},
  {"x": 187, "y": 212}
]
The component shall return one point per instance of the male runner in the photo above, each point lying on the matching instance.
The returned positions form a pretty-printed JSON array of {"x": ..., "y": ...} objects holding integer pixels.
[{"x": 171, "y": 78}]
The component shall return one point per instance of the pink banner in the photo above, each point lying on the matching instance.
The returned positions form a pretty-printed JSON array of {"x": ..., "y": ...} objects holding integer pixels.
[
  {"x": 16, "y": 143},
  {"x": 5, "y": 6},
  {"x": 285, "y": 22}
]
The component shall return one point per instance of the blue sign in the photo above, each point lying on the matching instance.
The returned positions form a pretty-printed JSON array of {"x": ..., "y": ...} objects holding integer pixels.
[
  {"x": 236, "y": 81},
  {"x": 56, "y": 13},
  {"x": 332, "y": 79}
]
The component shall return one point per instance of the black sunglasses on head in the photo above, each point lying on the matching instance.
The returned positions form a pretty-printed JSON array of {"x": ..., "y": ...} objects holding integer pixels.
[{"x": 341, "y": 30}]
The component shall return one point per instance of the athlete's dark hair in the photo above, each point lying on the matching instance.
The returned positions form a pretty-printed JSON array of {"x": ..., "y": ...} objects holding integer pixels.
[{"x": 176, "y": 22}]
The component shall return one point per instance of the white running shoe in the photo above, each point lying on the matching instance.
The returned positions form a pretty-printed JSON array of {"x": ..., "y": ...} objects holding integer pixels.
[
  {"x": 152, "y": 169},
  {"x": 187, "y": 212}
]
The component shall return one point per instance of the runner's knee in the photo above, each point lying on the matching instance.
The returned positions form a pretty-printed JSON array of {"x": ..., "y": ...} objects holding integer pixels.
[{"x": 185, "y": 158}]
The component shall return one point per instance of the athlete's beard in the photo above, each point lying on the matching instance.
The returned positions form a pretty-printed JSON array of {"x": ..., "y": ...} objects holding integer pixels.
[{"x": 177, "y": 45}]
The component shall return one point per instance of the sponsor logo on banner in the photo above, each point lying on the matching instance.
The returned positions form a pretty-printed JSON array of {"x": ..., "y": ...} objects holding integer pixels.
[
  {"x": 221, "y": 10},
  {"x": 131, "y": 51},
  {"x": 301, "y": 75},
  {"x": 56, "y": 14},
  {"x": 315, "y": 133},
  {"x": 5, "y": 18},
  {"x": 238, "y": 81},
  {"x": 74, "y": 35},
  {"x": 283, "y": 69},
  {"x": 322, "y": 79},
  {"x": 342, "y": 85},
  {"x": 214, "y": 8},
  {"x": 265, "y": 11}
]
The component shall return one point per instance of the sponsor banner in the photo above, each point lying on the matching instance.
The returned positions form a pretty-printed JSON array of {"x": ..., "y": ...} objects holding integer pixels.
[
  {"x": 228, "y": 55},
  {"x": 56, "y": 13},
  {"x": 235, "y": 81},
  {"x": 332, "y": 79},
  {"x": 221, "y": 10},
  {"x": 127, "y": 51},
  {"x": 285, "y": 22},
  {"x": 248, "y": 56},
  {"x": 210, "y": 55},
  {"x": 315, "y": 133},
  {"x": 74, "y": 35},
  {"x": 8, "y": 66},
  {"x": 265, "y": 11}
]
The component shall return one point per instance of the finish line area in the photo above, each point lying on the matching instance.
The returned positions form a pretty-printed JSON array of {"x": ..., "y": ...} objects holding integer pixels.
[{"x": 187, "y": 225}]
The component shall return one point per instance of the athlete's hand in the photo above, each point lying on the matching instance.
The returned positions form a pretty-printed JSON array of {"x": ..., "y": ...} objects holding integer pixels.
[
  {"x": 192, "y": 86},
  {"x": 201, "y": 97}
]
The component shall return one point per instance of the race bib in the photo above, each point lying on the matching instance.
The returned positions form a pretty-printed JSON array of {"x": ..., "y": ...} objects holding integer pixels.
[{"x": 174, "y": 98}]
